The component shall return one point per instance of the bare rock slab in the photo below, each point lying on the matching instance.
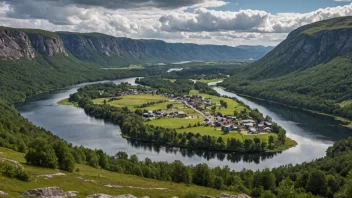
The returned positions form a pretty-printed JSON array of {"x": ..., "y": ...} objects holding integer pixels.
[
  {"x": 50, "y": 192},
  {"x": 2, "y": 194},
  {"x": 100, "y": 195},
  {"x": 224, "y": 195}
]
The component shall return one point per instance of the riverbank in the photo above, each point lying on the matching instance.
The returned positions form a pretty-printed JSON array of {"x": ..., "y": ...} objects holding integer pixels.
[
  {"x": 162, "y": 119},
  {"x": 66, "y": 101},
  {"x": 346, "y": 122}
]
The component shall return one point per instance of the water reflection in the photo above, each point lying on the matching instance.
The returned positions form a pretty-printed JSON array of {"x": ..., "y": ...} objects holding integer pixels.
[{"x": 208, "y": 155}]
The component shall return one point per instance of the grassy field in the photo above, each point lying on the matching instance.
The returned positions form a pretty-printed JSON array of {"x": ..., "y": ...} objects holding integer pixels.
[
  {"x": 90, "y": 181},
  {"x": 232, "y": 105},
  {"x": 131, "y": 101},
  {"x": 345, "y": 103},
  {"x": 202, "y": 130},
  {"x": 66, "y": 102},
  {"x": 175, "y": 122}
]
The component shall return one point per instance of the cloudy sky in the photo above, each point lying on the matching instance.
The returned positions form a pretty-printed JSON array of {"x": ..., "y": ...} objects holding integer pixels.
[{"x": 229, "y": 22}]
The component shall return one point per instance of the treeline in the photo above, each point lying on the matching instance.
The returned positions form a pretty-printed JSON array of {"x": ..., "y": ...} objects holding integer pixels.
[{"x": 179, "y": 87}]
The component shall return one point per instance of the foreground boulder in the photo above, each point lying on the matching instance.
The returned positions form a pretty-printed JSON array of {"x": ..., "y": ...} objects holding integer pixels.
[
  {"x": 2, "y": 194},
  {"x": 109, "y": 196},
  {"x": 50, "y": 192},
  {"x": 224, "y": 195}
]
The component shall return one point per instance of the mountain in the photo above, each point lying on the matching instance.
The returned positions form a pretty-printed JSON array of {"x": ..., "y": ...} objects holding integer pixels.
[
  {"x": 305, "y": 47},
  {"x": 109, "y": 51},
  {"x": 311, "y": 69}
]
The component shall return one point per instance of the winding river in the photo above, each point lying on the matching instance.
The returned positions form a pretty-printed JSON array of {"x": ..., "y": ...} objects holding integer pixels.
[{"x": 314, "y": 133}]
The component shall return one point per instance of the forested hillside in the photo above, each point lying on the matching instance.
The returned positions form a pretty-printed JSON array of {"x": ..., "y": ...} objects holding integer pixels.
[{"x": 311, "y": 69}]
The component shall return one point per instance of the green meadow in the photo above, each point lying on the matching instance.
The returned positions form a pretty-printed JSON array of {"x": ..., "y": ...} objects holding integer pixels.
[{"x": 91, "y": 181}]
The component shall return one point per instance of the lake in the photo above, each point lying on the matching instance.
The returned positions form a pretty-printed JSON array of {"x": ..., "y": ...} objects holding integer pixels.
[{"x": 314, "y": 133}]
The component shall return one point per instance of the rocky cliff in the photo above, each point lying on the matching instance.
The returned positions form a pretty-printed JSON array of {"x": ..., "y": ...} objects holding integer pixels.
[
  {"x": 109, "y": 51},
  {"x": 308, "y": 46},
  {"x": 22, "y": 43}
]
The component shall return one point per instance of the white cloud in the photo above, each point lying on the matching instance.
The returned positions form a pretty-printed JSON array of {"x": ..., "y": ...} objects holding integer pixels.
[
  {"x": 203, "y": 19},
  {"x": 203, "y": 25}
]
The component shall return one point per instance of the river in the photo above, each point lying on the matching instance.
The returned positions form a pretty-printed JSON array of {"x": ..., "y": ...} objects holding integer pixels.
[{"x": 314, "y": 133}]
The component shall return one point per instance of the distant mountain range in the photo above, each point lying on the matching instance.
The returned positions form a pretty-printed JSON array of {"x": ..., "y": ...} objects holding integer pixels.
[
  {"x": 109, "y": 51},
  {"x": 311, "y": 69}
]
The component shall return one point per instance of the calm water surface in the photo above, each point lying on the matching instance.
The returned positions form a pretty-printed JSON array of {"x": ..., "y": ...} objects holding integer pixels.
[{"x": 314, "y": 133}]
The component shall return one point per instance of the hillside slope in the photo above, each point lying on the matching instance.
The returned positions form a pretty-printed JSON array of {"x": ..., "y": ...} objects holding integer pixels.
[
  {"x": 306, "y": 47},
  {"x": 311, "y": 69},
  {"x": 109, "y": 51}
]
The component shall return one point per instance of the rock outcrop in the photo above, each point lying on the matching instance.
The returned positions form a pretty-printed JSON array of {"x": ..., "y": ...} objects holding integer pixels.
[
  {"x": 22, "y": 43},
  {"x": 46, "y": 45},
  {"x": 2, "y": 194},
  {"x": 109, "y": 196},
  {"x": 50, "y": 192},
  {"x": 224, "y": 195},
  {"x": 15, "y": 45}
]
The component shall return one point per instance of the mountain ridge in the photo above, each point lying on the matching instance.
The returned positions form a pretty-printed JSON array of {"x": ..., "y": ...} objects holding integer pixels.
[
  {"x": 110, "y": 51},
  {"x": 304, "y": 48}
]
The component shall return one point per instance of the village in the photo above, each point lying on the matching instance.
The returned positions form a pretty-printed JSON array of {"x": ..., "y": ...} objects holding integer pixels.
[{"x": 204, "y": 111}]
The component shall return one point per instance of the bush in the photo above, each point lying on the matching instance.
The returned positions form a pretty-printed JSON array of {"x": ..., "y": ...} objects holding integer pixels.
[
  {"x": 40, "y": 153},
  {"x": 18, "y": 173}
]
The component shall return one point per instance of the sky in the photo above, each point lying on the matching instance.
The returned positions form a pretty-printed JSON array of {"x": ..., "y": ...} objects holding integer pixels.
[{"x": 220, "y": 22}]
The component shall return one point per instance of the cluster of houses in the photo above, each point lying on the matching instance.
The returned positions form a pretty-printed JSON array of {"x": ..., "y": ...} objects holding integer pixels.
[
  {"x": 160, "y": 114},
  {"x": 136, "y": 92},
  {"x": 227, "y": 123},
  {"x": 232, "y": 123},
  {"x": 196, "y": 102}
]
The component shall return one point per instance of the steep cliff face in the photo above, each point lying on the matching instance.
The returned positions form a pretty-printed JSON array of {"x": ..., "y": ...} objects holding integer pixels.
[
  {"x": 47, "y": 46},
  {"x": 111, "y": 51},
  {"x": 22, "y": 43},
  {"x": 15, "y": 45},
  {"x": 306, "y": 47}
]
